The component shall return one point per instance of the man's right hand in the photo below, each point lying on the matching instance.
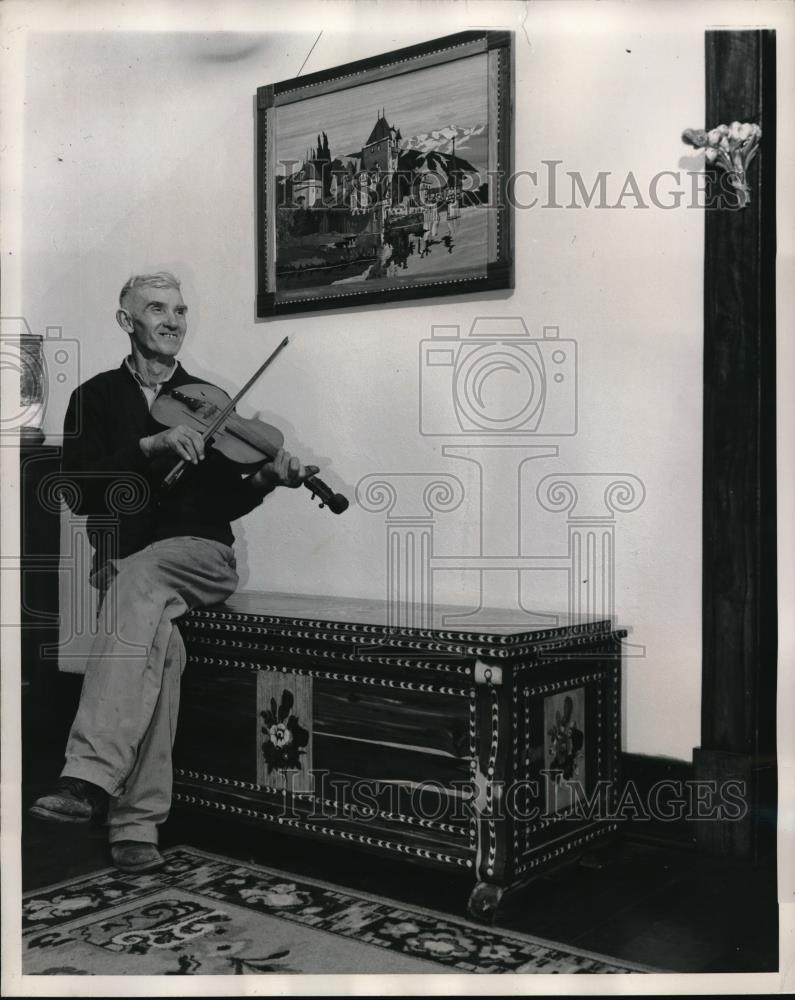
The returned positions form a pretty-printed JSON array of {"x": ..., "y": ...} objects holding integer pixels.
[{"x": 182, "y": 441}]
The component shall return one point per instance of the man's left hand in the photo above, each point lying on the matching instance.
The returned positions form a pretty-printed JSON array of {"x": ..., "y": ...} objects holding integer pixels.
[{"x": 284, "y": 470}]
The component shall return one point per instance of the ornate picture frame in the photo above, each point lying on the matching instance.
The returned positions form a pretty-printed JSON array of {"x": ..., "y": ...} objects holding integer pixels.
[{"x": 385, "y": 179}]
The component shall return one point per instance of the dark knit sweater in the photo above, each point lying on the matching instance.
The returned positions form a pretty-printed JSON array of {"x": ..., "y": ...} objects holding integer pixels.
[{"x": 105, "y": 421}]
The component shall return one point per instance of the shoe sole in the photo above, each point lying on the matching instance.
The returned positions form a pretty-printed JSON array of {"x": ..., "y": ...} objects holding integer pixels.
[
  {"x": 40, "y": 812},
  {"x": 137, "y": 869}
]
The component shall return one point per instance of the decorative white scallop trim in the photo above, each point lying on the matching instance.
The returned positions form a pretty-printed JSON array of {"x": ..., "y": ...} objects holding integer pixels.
[{"x": 359, "y": 838}]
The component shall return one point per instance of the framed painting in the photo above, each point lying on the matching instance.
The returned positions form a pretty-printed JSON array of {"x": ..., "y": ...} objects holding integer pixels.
[{"x": 385, "y": 179}]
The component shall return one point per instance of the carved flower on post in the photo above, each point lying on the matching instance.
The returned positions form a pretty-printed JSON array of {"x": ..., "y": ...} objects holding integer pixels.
[{"x": 730, "y": 147}]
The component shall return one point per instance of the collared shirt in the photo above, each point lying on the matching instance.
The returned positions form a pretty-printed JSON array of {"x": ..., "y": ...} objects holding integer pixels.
[{"x": 151, "y": 392}]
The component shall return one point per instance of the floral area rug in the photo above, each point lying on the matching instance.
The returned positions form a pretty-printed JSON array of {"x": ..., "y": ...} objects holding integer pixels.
[{"x": 205, "y": 915}]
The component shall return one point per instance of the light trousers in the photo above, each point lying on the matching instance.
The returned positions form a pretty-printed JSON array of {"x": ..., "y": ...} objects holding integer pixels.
[{"x": 124, "y": 729}]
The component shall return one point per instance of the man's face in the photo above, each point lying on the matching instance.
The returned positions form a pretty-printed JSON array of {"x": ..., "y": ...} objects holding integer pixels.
[{"x": 156, "y": 319}]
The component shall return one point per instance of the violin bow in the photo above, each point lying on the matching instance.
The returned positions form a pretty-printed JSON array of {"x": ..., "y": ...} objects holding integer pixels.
[{"x": 179, "y": 468}]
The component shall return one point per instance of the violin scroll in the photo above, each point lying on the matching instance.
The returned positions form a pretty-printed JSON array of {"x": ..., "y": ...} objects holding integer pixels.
[{"x": 336, "y": 502}]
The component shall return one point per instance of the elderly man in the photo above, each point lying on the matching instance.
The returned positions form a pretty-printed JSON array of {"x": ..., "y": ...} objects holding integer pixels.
[{"x": 172, "y": 552}]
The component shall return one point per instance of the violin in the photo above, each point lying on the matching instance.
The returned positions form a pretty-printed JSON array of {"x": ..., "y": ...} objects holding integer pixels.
[{"x": 246, "y": 441}]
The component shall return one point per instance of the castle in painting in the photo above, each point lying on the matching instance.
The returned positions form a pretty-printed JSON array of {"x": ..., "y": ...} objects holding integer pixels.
[
  {"x": 381, "y": 173},
  {"x": 356, "y": 215}
]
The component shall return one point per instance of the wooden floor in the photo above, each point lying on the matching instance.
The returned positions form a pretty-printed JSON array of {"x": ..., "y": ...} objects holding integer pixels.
[{"x": 664, "y": 906}]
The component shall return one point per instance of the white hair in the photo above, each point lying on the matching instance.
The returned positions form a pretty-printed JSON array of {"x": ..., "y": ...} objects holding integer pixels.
[{"x": 159, "y": 279}]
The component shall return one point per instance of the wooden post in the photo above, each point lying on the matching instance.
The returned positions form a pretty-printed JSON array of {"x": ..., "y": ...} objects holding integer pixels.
[{"x": 738, "y": 720}]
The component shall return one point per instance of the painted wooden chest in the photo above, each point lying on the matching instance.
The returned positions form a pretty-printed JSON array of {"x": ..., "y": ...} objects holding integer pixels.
[{"x": 491, "y": 750}]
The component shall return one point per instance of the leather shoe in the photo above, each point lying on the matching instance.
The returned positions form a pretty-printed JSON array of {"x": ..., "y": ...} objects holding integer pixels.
[
  {"x": 136, "y": 856},
  {"x": 73, "y": 801}
]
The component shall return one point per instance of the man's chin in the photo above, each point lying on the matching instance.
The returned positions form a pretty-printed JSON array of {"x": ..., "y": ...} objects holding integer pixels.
[
  {"x": 164, "y": 355},
  {"x": 169, "y": 347}
]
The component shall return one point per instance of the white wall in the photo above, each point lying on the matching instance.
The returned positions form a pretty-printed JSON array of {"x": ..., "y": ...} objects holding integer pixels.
[{"x": 138, "y": 152}]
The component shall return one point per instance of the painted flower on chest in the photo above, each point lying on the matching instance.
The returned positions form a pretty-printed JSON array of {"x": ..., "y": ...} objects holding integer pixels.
[
  {"x": 285, "y": 737},
  {"x": 280, "y": 735}
]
